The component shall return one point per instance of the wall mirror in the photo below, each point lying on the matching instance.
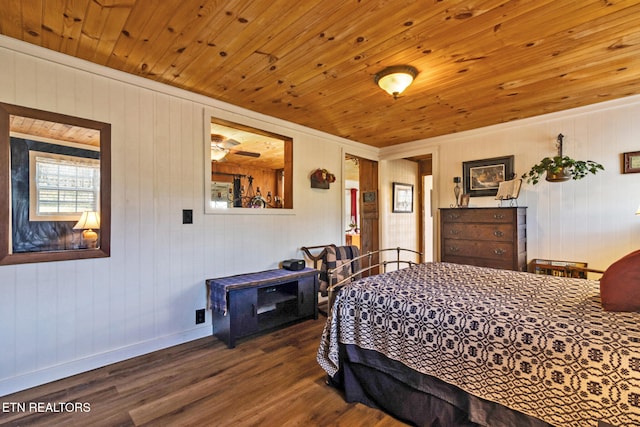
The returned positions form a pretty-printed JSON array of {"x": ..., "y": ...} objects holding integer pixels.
[
  {"x": 247, "y": 169},
  {"x": 55, "y": 186}
]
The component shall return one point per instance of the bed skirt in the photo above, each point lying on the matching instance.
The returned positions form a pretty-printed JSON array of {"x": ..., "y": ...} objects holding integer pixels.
[{"x": 374, "y": 380}]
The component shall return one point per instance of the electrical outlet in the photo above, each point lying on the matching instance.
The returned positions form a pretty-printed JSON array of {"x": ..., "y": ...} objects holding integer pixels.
[{"x": 199, "y": 316}]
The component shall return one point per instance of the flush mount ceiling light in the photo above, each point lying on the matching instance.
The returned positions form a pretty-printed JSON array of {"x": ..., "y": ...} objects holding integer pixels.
[{"x": 394, "y": 80}]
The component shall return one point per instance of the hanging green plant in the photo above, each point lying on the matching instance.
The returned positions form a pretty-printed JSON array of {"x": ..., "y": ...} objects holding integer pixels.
[{"x": 561, "y": 168}]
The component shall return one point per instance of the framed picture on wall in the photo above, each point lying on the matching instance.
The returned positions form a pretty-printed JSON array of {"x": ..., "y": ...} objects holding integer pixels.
[
  {"x": 483, "y": 177},
  {"x": 402, "y": 197},
  {"x": 631, "y": 162}
]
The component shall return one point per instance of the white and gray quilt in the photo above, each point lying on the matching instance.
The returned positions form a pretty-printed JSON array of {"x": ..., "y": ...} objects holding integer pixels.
[{"x": 541, "y": 345}]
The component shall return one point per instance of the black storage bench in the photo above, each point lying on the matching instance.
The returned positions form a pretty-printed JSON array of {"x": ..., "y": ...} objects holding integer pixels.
[{"x": 247, "y": 304}]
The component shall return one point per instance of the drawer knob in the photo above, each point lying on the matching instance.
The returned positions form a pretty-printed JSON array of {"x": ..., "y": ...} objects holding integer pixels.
[
  {"x": 498, "y": 216},
  {"x": 499, "y": 251},
  {"x": 453, "y": 216},
  {"x": 453, "y": 249},
  {"x": 454, "y": 232},
  {"x": 498, "y": 233}
]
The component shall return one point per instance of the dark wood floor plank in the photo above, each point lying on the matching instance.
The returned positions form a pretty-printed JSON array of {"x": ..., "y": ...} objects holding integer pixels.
[{"x": 270, "y": 379}]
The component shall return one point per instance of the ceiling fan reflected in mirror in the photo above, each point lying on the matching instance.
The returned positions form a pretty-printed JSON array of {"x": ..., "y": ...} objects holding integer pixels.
[{"x": 221, "y": 146}]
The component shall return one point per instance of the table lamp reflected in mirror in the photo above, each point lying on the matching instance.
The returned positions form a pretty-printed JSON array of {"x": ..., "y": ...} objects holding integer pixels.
[{"x": 89, "y": 221}]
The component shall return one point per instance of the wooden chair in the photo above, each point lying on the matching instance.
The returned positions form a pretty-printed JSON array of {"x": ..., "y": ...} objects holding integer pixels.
[{"x": 329, "y": 259}]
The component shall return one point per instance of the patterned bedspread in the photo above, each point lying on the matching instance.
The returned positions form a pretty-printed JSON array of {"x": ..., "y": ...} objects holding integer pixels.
[{"x": 538, "y": 344}]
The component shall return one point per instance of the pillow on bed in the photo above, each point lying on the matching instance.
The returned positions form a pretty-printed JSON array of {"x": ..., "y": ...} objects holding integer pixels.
[{"x": 620, "y": 284}]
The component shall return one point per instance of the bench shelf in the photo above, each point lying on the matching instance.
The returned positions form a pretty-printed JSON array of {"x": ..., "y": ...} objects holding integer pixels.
[{"x": 257, "y": 302}]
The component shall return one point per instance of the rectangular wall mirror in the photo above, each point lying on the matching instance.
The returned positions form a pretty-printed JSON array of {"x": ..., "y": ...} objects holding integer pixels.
[
  {"x": 55, "y": 186},
  {"x": 247, "y": 168}
]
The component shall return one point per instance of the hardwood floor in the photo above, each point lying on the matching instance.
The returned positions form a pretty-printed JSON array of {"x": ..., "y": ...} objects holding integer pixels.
[{"x": 267, "y": 380}]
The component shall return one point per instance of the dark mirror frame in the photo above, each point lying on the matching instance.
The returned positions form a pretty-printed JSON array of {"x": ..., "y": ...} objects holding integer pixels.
[{"x": 104, "y": 250}]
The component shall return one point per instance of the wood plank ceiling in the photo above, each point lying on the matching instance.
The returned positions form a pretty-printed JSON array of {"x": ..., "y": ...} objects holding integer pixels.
[{"x": 312, "y": 62}]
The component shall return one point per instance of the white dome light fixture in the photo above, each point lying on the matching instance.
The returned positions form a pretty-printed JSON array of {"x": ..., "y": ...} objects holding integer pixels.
[{"x": 394, "y": 80}]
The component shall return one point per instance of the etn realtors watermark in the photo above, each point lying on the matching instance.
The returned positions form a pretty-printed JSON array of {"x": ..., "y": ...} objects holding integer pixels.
[{"x": 46, "y": 407}]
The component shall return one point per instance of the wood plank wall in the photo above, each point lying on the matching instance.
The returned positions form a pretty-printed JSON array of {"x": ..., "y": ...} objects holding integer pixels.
[
  {"x": 62, "y": 318},
  {"x": 66, "y": 317},
  {"x": 590, "y": 220},
  {"x": 265, "y": 180}
]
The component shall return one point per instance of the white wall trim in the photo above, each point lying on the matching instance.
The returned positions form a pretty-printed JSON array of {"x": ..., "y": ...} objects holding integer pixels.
[
  {"x": 64, "y": 370},
  {"x": 422, "y": 146},
  {"x": 389, "y": 153},
  {"x": 141, "y": 82}
]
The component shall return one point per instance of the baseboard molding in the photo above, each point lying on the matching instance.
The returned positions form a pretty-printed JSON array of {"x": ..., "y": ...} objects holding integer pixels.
[{"x": 57, "y": 372}]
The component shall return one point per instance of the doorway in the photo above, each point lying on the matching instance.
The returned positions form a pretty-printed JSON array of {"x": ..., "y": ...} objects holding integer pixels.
[
  {"x": 361, "y": 217},
  {"x": 425, "y": 198},
  {"x": 351, "y": 215},
  {"x": 426, "y": 220}
]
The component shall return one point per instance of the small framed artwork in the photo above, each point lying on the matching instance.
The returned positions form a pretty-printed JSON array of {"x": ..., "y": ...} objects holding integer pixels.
[
  {"x": 464, "y": 201},
  {"x": 483, "y": 177},
  {"x": 369, "y": 197},
  {"x": 631, "y": 162},
  {"x": 402, "y": 197},
  {"x": 369, "y": 205}
]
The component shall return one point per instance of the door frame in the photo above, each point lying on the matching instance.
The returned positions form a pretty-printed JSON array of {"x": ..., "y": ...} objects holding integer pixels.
[
  {"x": 369, "y": 233},
  {"x": 414, "y": 150}
]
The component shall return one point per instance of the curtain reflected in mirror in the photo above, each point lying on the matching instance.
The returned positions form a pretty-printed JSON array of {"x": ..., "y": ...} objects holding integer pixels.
[{"x": 55, "y": 180}]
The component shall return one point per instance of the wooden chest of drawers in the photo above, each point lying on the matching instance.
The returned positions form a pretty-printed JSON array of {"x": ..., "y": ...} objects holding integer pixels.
[{"x": 486, "y": 237}]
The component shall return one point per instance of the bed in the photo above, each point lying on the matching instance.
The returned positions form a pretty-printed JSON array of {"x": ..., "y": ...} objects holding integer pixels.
[{"x": 444, "y": 344}]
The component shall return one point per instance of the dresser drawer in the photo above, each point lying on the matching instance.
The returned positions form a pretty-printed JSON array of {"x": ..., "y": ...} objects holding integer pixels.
[
  {"x": 486, "y": 237},
  {"x": 478, "y": 231},
  {"x": 478, "y": 249},
  {"x": 478, "y": 215},
  {"x": 482, "y": 262}
]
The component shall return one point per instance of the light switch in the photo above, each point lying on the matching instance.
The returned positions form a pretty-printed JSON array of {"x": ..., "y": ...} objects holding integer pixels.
[{"x": 187, "y": 216}]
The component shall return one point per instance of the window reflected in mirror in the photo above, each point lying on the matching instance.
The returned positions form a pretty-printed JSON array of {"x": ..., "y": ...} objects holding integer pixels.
[
  {"x": 250, "y": 168},
  {"x": 56, "y": 185}
]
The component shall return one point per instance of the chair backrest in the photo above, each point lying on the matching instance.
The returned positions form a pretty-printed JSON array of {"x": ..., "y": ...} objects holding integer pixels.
[{"x": 334, "y": 258}]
